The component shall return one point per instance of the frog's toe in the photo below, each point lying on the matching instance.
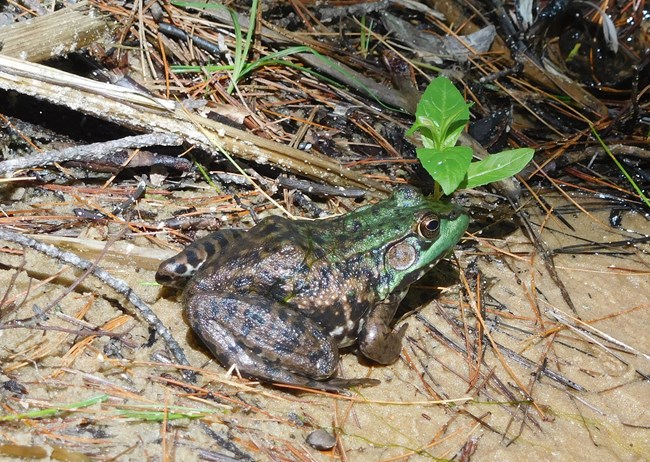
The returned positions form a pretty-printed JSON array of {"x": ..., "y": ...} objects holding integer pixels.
[
  {"x": 382, "y": 344},
  {"x": 340, "y": 384}
]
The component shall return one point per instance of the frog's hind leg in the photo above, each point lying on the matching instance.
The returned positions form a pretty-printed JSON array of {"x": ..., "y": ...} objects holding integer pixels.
[
  {"x": 175, "y": 271},
  {"x": 266, "y": 340}
]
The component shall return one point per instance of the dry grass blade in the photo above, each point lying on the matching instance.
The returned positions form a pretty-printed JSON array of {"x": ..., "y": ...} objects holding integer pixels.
[
  {"x": 54, "y": 34},
  {"x": 310, "y": 99},
  {"x": 142, "y": 309},
  {"x": 142, "y": 112},
  {"x": 582, "y": 328},
  {"x": 90, "y": 153}
]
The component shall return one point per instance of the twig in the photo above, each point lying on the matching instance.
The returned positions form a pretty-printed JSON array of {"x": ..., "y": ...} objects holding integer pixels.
[
  {"x": 142, "y": 112},
  {"x": 117, "y": 284},
  {"x": 92, "y": 152},
  {"x": 547, "y": 257},
  {"x": 55, "y": 34},
  {"x": 226, "y": 443}
]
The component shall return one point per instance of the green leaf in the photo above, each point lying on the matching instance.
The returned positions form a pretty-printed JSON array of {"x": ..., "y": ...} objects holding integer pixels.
[
  {"x": 429, "y": 127},
  {"x": 242, "y": 45},
  {"x": 496, "y": 167},
  {"x": 443, "y": 111},
  {"x": 56, "y": 409},
  {"x": 429, "y": 132},
  {"x": 447, "y": 167},
  {"x": 199, "y": 5}
]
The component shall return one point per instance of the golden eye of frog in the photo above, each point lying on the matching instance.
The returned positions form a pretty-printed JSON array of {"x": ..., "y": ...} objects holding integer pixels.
[{"x": 279, "y": 300}]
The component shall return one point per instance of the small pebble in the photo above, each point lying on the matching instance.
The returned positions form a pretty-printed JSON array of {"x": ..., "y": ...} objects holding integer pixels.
[{"x": 321, "y": 440}]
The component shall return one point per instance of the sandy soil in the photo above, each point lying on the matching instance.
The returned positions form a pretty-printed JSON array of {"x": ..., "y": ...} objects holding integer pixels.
[{"x": 142, "y": 413}]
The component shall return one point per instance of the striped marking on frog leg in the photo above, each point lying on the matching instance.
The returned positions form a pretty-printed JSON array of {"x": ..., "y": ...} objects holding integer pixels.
[{"x": 175, "y": 271}]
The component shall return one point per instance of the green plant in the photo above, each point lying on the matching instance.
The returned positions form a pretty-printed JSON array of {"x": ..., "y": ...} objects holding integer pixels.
[
  {"x": 627, "y": 176},
  {"x": 365, "y": 36},
  {"x": 239, "y": 68},
  {"x": 56, "y": 409},
  {"x": 440, "y": 117},
  {"x": 272, "y": 59}
]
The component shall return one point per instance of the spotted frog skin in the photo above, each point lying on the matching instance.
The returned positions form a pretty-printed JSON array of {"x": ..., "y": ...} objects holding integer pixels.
[{"x": 279, "y": 300}]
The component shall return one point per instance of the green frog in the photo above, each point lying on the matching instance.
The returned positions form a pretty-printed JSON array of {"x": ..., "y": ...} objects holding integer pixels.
[{"x": 280, "y": 300}]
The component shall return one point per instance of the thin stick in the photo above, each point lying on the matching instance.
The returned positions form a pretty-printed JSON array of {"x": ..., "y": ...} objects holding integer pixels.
[{"x": 117, "y": 284}]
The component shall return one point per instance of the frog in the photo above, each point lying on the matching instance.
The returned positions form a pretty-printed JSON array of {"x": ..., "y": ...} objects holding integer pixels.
[{"x": 278, "y": 302}]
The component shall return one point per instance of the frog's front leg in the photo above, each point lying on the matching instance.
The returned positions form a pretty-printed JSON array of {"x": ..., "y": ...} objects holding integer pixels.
[
  {"x": 267, "y": 340},
  {"x": 377, "y": 339}
]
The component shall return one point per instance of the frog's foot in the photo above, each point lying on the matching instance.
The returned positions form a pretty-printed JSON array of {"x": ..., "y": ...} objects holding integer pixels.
[
  {"x": 339, "y": 384},
  {"x": 377, "y": 339},
  {"x": 266, "y": 340},
  {"x": 281, "y": 377},
  {"x": 382, "y": 345}
]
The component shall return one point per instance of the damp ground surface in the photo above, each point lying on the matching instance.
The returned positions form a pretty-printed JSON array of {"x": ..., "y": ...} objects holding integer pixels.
[
  {"x": 596, "y": 408},
  {"x": 518, "y": 351}
]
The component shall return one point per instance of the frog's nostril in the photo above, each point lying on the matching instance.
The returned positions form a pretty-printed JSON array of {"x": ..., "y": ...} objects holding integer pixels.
[{"x": 456, "y": 213}]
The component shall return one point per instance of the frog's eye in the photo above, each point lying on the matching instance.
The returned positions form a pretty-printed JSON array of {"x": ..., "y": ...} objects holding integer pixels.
[{"x": 429, "y": 226}]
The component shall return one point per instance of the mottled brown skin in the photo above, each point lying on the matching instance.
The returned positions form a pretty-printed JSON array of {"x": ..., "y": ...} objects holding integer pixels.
[{"x": 280, "y": 300}]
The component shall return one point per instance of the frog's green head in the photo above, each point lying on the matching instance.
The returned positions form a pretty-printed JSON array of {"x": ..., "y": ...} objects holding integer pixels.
[{"x": 405, "y": 236}]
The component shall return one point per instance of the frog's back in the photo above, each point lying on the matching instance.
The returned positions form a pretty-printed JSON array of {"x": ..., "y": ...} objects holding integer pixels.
[{"x": 270, "y": 252}]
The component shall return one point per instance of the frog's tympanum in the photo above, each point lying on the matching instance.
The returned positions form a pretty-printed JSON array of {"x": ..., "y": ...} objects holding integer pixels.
[{"x": 279, "y": 300}]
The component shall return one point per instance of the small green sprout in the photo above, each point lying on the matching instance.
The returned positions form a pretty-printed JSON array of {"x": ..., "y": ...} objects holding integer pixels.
[
  {"x": 239, "y": 68},
  {"x": 441, "y": 117}
]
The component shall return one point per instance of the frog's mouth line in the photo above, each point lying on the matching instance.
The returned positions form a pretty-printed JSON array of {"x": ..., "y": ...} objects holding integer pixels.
[{"x": 414, "y": 276}]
